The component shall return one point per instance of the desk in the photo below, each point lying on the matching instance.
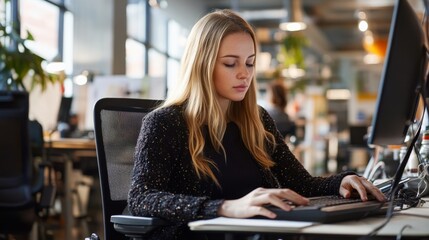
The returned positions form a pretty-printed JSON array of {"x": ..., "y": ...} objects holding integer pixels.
[
  {"x": 68, "y": 147},
  {"x": 417, "y": 220}
]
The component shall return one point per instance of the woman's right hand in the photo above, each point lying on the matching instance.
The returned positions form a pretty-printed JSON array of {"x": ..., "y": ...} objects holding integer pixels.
[{"x": 253, "y": 203}]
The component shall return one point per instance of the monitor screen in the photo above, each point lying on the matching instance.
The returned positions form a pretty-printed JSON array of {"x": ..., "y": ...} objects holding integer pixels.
[
  {"x": 358, "y": 135},
  {"x": 65, "y": 109},
  {"x": 402, "y": 78}
]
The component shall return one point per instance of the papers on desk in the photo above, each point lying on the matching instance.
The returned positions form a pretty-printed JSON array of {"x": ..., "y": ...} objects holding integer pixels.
[{"x": 248, "y": 225}]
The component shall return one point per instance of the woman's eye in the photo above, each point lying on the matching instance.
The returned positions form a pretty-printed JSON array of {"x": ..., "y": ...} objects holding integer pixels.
[
  {"x": 229, "y": 65},
  {"x": 250, "y": 64}
]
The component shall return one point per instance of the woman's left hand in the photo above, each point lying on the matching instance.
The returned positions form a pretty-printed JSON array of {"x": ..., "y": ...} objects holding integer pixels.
[{"x": 360, "y": 184}]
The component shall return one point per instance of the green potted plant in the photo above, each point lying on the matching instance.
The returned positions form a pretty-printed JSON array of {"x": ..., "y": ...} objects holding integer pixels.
[
  {"x": 18, "y": 63},
  {"x": 292, "y": 50}
]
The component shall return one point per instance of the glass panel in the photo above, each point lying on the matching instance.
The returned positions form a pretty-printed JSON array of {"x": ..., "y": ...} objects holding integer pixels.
[
  {"x": 136, "y": 19},
  {"x": 2, "y": 12},
  {"x": 157, "y": 64},
  {"x": 135, "y": 64},
  {"x": 173, "y": 73},
  {"x": 41, "y": 19},
  {"x": 158, "y": 30},
  {"x": 176, "y": 39},
  {"x": 68, "y": 42}
]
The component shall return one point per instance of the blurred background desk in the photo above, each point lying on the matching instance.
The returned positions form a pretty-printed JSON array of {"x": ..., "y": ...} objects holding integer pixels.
[{"x": 69, "y": 150}]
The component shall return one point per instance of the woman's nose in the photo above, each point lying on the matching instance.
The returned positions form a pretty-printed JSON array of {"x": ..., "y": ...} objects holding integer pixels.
[{"x": 243, "y": 72}]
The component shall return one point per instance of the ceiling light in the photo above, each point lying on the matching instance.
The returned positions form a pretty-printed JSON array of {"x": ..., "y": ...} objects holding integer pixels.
[
  {"x": 292, "y": 26},
  {"x": 55, "y": 66},
  {"x": 293, "y": 72},
  {"x": 83, "y": 78},
  {"x": 158, "y": 3},
  {"x": 294, "y": 20},
  {"x": 363, "y": 25}
]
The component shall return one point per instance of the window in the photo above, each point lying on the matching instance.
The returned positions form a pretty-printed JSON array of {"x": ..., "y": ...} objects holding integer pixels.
[
  {"x": 154, "y": 46},
  {"x": 157, "y": 64},
  {"x": 176, "y": 40},
  {"x": 136, "y": 20},
  {"x": 41, "y": 19},
  {"x": 2, "y": 12},
  {"x": 135, "y": 56},
  {"x": 158, "y": 31},
  {"x": 173, "y": 67}
]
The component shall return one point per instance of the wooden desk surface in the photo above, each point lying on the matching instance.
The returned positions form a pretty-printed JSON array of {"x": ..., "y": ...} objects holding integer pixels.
[{"x": 71, "y": 143}]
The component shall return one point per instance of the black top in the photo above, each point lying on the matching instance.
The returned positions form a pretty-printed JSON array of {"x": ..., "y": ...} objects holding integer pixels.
[
  {"x": 238, "y": 174},
  {"x": 164, "y": 182}
]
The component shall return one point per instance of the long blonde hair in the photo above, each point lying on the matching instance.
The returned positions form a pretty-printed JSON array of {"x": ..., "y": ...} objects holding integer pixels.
[{"x": 195, "y": 90}]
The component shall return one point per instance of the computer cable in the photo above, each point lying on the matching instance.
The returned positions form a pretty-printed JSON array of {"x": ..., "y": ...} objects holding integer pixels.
[
  {"x": 423, "y": 177},
  {"x": 407, "y": 199},
  {"x": 399, "y": 236}
]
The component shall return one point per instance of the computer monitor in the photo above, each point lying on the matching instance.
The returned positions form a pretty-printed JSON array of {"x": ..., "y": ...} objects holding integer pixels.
[
  {"x": 402, "y": 82},
  {"x": 358, "y": 135},
  {"x": 64, "y": 110},
  {"x": 402, "y": 77}
]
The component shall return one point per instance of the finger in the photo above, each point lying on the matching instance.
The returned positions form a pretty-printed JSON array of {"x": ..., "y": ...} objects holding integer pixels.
[
  {"x": 360, "y": 188},
  {"x": 346, "y": 193},
  {"x": 353, "y": 182},
  {"x": 374, "y": 191},
  {"x": 292, "y": 196},
  {"x": 271, "y": 198},
  {"x": 258, "y": 210},
  {"x": 277, "y": 198}
]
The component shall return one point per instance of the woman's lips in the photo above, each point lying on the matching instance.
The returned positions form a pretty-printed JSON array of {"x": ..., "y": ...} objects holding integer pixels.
[{"x": 241, "y": 88}]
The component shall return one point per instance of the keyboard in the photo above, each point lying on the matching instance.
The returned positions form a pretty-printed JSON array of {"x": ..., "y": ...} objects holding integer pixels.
[
  {"x": 326, "y": 209},
  {"x": 333, "y": 200}
]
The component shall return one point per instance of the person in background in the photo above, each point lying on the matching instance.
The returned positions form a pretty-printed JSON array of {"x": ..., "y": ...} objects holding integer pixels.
[
  {"x": 277, "y": 94},
  {"x": 211, "y": 151}
]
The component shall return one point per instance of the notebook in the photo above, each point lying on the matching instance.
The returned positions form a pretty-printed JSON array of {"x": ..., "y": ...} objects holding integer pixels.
[{"x": 249, "y": 225}]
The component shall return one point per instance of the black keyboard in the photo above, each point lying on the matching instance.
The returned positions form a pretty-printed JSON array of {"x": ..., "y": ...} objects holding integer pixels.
[
  {"x": 333, "y": 200},
  {"x": 330, "y": 209}
]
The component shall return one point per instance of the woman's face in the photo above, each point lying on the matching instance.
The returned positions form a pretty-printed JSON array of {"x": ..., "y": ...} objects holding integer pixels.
[{"x": 234, "y": 68}]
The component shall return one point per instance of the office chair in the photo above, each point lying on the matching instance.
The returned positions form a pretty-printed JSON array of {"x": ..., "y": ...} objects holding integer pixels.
[
  {"x": 117, "y": 123},
  {"x": 19, "y": 183}
]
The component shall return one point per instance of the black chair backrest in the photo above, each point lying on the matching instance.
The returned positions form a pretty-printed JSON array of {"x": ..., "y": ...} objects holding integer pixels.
[
  {"x": 15, "y": 160},
  {"x": 117, "y": 123}
]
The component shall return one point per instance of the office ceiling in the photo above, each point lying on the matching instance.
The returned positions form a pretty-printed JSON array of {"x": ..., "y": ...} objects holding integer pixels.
[{"x": 333, "y": 24}]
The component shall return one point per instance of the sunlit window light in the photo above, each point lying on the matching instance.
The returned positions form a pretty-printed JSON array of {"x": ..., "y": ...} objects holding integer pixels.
[
  {"x": 338, "y": 94},
  {"x": 371, "y": 59}
]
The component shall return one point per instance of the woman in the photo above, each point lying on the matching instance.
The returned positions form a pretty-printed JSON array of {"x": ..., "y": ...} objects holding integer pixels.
[{"x": 210, "y": 150}]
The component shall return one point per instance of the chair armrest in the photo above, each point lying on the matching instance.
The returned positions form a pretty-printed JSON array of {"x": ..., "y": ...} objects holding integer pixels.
[
  {"x": 39, "y": 178},
  {"x": 47, "y": 190},
  {"x": 135, "y": 225},
  {"x": 136, "y": 220}
]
